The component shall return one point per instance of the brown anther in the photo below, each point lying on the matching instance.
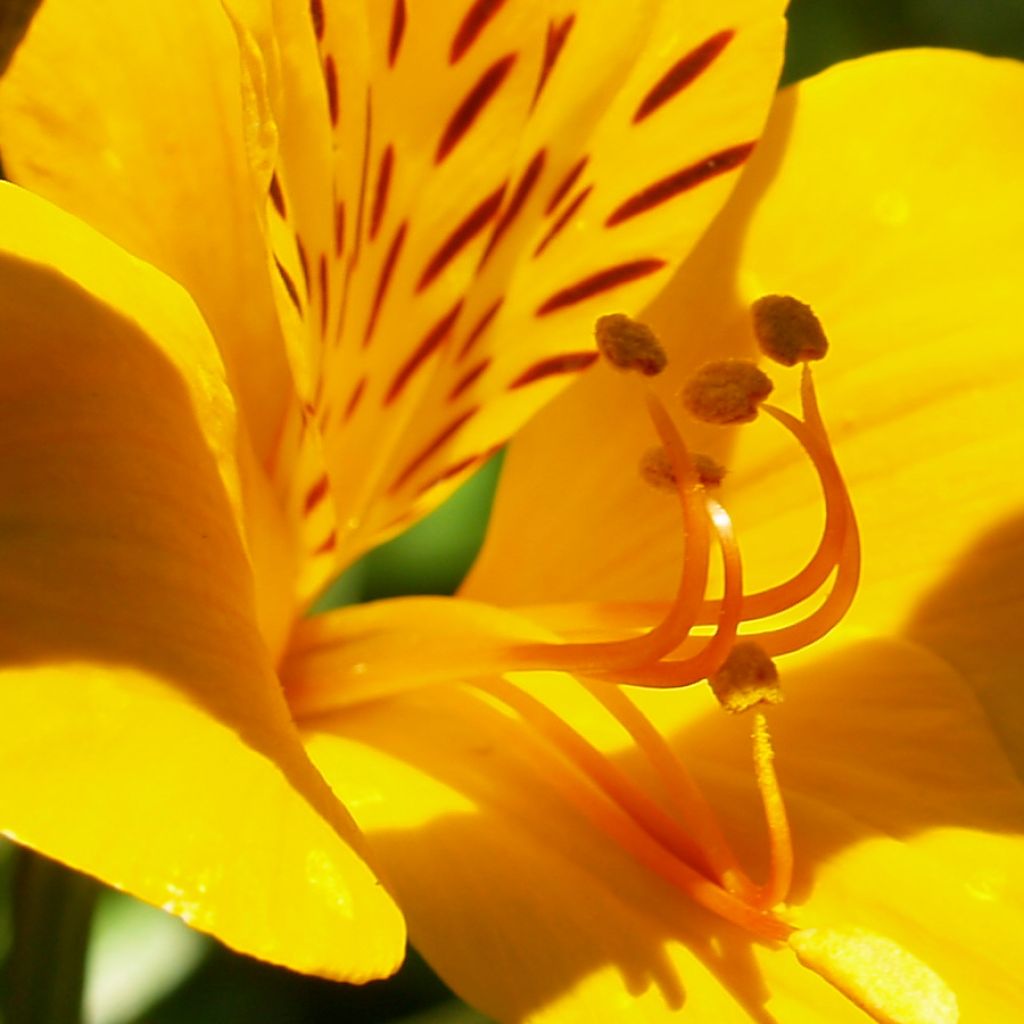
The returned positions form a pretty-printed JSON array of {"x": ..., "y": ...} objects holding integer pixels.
[
  {"x": 746, "y": 678},
  {"x": 787, "y": 330},
  {"x": 656, "y": 468},
  {"x": 629, "y": 345},
  {"x": 726, "y": 392},
  {"x": 709, "y": 472}
]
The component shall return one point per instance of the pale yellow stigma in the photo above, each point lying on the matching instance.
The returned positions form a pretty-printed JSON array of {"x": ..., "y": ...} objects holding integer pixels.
[
  {"x": 787, "y": 330},
  {"x": 629, "y": 345},
  {"x": 746, "y": 678},
  {"x": 888, "y": 983},
  {"x": 656, "y": 468},
  {"x": 726, "y": 392}
]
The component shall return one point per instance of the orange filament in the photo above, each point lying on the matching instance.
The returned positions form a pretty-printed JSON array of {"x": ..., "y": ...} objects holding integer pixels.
[
  {"x": 687, "y": 799},
  {"x": 634, "y": 822},
  {"x": 811, "y": 436},
  {"x": 673, "y": 674},
  {"x": 682, "y": 614},
  {"x": 602, "y": 772}
]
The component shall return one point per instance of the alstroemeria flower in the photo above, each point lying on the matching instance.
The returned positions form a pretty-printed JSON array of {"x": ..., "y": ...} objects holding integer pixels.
[
  {"x": 275, "y": 276},
  {"x": 883, "y": 193},
  {"x": 519, "y": 811}
]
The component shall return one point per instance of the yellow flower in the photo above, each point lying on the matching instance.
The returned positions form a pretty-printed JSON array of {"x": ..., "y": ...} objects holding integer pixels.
[
  {"x": 163, "y": 705},
  {"x": 403, "y": 209}
]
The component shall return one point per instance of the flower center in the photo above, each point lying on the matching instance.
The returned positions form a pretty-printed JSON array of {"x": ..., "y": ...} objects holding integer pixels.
[{"x": 669, "y": 646}]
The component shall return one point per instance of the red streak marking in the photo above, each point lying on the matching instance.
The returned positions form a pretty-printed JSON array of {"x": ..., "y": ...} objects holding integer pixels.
[
  {"x": 472, "y": 25},
  {"x": 386, "y": 271},
  {"x": 476, "y": 99},
  {"x": 397, "y": 31},
  {"x": 355, "y": 399},
  {"x": 328, "y": 545},
  {"x": 602, "y": 281},
  {"x": 303, "y": 261},
  {"x": 563, "y": 218},
  {"x": 277, "y": 196},
  {"x": 431, "y": 342},
  {"x": 316, "y": 12},
  {"x": 571, "y": 362},
  {"x": 477, "y": 332},
  {"x": 364, "y": 177},
  {"x": 331, "y": 81},
  {"x": 516, "y": 203},
  {"x": 566, "y": 183},
  {"x": 458, "y": 467},
  {"x": 681, "y": 181},
  {"x": 432, "y": 448},
  {"x": 682, "y": 73},
  {"x": 315, "y": 495},
  {"x": 324, "y": 293},
  {"x": 468, "y": 378},
  {"x": 447, "y": 474},
  {"x": 556, "y": 37},
  {"x": 325, "y": 418},
  {"x": 380, "y": 198},
  {"x": 289, "y": 285},
  {"x": 473, "y": 223},
  {"x": 339, "y": 230}
]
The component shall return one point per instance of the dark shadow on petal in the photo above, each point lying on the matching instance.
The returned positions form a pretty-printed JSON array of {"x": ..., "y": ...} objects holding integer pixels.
[{"x": 975, "y": 621}]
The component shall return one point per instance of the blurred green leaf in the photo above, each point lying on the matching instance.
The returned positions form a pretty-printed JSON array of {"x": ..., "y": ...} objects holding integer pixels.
[
  {"x": 51, "y": 916},
  {"x": 452, "y": 1012},
  {"x": 137, "y": 955}
]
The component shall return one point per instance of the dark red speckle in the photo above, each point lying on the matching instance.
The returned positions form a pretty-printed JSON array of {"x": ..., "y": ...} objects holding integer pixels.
[
  {"x": 471, "y": 225},
  {"x": 431, "y": 449},
  {"x": 570, "y": 362},
  {"x": 553, "y": 44},
  {"x": 470, "y": 108},
  {"x": 331, "y": 82},
  {"x": 316, "y": 13},
  {"x": 397, "y": 31},
  {"x": 594, "y": 284},
  {"x": 431, "y": 342},
  {"x": 682, "y": 73},
  {"x": 682, "y": 181},
  {"x": 475, "y": 21}
]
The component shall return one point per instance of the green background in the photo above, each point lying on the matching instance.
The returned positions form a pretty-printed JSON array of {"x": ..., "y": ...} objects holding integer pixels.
[{"x": 146, "y": 966}]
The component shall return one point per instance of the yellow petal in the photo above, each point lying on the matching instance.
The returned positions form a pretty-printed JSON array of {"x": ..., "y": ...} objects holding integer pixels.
[
  {"x": 908, "y": 819},
  {"x": 907, "y": 823},
  {"x": 889, "y": 207},
  {"x": 436, "y": 308},
  {"x": 143, "y": 736},
  {"x": 135, "y": 125}
]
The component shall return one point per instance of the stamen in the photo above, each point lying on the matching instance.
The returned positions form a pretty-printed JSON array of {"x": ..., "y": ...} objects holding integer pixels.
[
  {"x": 808, "y": 580},
  {"x": 686, "y": 671},
  {"x": 779, "y": 839},
  {"x": 746, "y": 678},
  {"x": 656, "y": 469},
  {"x": 812, "y": 435},
  {"x": 787, "y": 330},
  {"x": 709, "y": 472},
  {"x": 629, "y": 345},
  {"x": 886, "y": 981},
  {"x": 602, "y": 772},
  {"x": 726, "y": 392},
  {"x": 629, "y": 824},
  {"x": 689, "y": 802},
  {"x": 600, "y": 658}
]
